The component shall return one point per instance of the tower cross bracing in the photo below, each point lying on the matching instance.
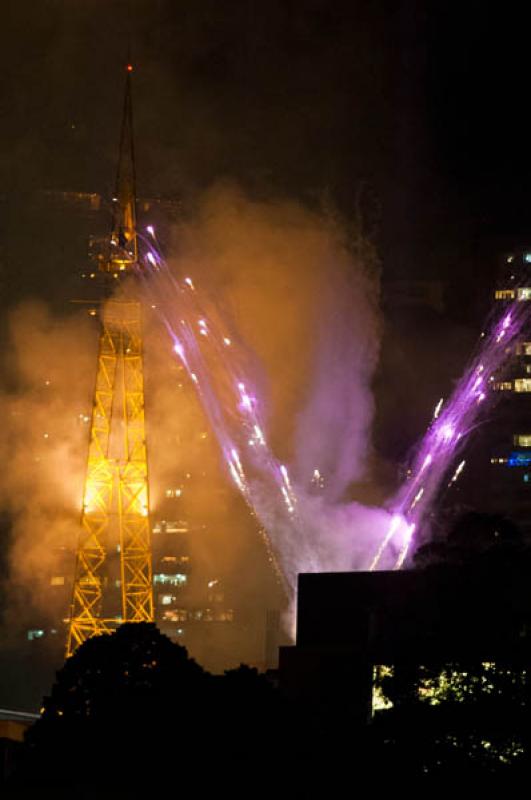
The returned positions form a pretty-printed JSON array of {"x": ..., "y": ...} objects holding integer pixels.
[{"x": 115, "y": 511}]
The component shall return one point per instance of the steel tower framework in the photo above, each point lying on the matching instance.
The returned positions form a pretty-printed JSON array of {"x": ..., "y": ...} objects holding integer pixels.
[{"x": 115, "y": 512}]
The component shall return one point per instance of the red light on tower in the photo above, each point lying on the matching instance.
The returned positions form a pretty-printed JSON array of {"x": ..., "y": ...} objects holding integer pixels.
[{"x": 129, "y": 67}]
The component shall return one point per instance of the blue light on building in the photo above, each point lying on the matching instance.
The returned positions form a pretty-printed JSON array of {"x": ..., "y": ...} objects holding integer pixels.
[{"x": 519, "y": 458}]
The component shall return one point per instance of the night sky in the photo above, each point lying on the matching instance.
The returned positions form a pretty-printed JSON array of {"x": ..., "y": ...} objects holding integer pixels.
[
  {"x": 413, "y": 112},
  {"x": 422, "y": 105}
]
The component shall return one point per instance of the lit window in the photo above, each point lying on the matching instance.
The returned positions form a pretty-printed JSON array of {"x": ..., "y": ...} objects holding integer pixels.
[
  {"x": 166, "y": 599},
  {"x": 527, "y": 257},
  {"x": 225, "y": 616},
  {"x": 526, "y": 477},
  {"x": 519, "y": 459},
  {"x": 522, "y": 385},
  {"x": 173, "y": 492},
  {"x": 36, "y": 633},
  {"x": 524, "y": 293},
  {"x": 170, "y": 527},
  {"x": 57, "y": 581},
  {"x": 523, "y": 349},
  {"x": 502, "y": 386},
  {"x": 172, "y": 580},
  {"x": 175, "y": 615},
  {"x": 523, "y": 439},
  {"x": 504, "y": 294},
  {"x": 176, "y": 527}
]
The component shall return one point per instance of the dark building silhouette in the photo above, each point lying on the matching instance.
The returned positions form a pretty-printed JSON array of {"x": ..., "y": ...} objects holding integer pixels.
[
  {"x": 349, "y": 624},
  {"x": 13, "y": 725}
]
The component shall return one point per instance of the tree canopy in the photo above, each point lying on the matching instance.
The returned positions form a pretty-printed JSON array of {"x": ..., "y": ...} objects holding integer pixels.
[
  {"x": 136, "y": 698},
  {"x": 475, "y": 538}
]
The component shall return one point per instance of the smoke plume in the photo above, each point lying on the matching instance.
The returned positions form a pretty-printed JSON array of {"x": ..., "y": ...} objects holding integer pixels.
[{"x": 302, "y": 294}]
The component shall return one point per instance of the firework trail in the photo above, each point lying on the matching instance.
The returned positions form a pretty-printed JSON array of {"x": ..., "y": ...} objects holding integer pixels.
[
  {"x": 303, "y": 527},
  {"x": 302, "y": 531},
  {"x": 452, "y": 422},
  {"x": 216, "y": 365}
]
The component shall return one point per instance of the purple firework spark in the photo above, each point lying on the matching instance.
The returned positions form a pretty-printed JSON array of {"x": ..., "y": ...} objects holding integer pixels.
[
  {"x": 215, "y": 364},
  {"x": 449, "y": 429}
]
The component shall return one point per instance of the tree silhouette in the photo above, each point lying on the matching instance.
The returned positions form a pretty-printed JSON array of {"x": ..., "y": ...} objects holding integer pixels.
[
  {"x": 476, "y": 538},
  {"x": 116, "y": 698},
  {"x": 459, "y": 718},
  {"x": 132, "y": 707}
]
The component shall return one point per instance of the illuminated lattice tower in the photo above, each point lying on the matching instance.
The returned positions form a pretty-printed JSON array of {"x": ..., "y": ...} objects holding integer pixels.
[{"x": 115, "y": 513}]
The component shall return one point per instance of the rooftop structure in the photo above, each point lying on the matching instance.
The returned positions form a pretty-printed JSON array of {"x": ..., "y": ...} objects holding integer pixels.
[{"x": 349, "y": 624}]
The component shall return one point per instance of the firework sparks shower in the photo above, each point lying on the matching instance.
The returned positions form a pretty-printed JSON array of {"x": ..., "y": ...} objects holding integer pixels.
[
  {"x": 297, "y": 526},
  {"x": 215, "y": 364},
  {"x": 452, "y": 422}
]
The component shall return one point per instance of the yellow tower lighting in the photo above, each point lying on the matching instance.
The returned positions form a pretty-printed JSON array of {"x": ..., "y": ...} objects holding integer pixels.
[{"x": 115, "y": 511}]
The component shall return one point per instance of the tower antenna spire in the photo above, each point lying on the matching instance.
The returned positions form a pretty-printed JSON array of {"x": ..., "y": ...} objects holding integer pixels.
[
  {"x": 123, "y": 230},
  {"x": 124, "y": 217}
]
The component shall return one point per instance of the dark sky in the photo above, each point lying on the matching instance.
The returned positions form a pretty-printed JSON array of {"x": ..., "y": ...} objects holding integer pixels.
[
  {"x": 423, "y": 104},
  {"x": 414, "y": 111}
]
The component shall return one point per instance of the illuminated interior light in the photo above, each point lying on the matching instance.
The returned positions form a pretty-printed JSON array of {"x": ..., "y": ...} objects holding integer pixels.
[
  {"x": 504, "y": 294},
  {"x": 519, "y": 459}
]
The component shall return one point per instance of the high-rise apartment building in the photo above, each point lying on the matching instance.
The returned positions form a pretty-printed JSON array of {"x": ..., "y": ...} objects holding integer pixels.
[{"x": 497, "y": 478}]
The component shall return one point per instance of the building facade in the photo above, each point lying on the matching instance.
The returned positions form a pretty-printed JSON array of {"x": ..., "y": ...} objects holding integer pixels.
[{"x": 509, "y": 430}]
